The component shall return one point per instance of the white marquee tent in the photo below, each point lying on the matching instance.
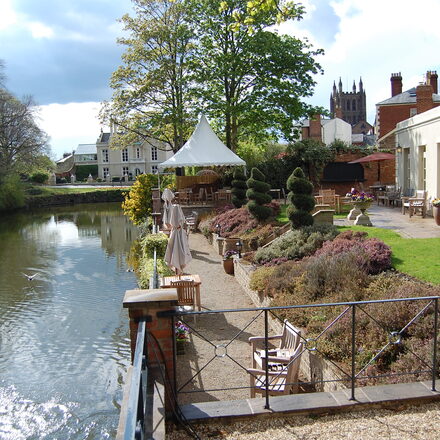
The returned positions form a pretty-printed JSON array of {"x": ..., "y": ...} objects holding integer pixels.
[{"x": 203, "y": 148}]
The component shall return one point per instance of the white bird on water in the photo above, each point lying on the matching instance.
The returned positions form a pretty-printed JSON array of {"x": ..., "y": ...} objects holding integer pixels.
[{"x": 30, "y": 277}]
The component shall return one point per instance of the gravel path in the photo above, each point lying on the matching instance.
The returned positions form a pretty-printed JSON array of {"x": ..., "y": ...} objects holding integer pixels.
[
  {"x": 219, "y": 291},
  {"x": 410, "y": 424}
]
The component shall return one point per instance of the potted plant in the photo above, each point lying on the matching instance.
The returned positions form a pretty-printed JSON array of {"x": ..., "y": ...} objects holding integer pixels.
[
  {"x": 436, "y": 210},
  {"x": 228, "y": 262},
  {"x": 182, "y": 335},
  {"x": 361, "y": 201}
]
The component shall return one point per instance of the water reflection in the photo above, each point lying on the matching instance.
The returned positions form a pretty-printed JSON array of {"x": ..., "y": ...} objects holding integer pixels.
[{"x": 64, "y": 343}]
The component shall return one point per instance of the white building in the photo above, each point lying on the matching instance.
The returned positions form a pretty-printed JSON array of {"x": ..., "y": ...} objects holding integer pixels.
[
  {"x": 85, "y": 154},
  {"x": 141, "y": 158},
  {"x": 418, "y": 153},
  {"x": 326, "y": 130}
]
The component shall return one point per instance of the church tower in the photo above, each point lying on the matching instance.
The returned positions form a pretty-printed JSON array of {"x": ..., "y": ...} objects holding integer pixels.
[{"x": 349, "y": 106}]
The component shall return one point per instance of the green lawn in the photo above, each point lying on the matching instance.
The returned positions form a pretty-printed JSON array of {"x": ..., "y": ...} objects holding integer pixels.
[
  {"x": 45, "y": 191},
  {"x": 418, "y": 257}
]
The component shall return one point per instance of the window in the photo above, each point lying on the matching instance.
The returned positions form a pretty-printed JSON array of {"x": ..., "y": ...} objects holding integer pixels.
[
  {"x": 154, "y": 169},
  {"x": 348, "y": 105},
  {"x": 138, "y": 153},
  {"x": 124, "y": 155},
  {"x": 105, "y": 155},
  {"x": 343, "y": 172},
  {"x": 353, "y": 105},
  {"x": 137, "y": 172},
  {"x": 153, "y": 153},
  {"x": 124, "y": 171},
  {"x": 105, "y": 173}
]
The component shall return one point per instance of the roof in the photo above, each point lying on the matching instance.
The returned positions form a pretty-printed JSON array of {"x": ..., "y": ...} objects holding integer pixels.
[
  {"x": 203, "y": 148},
  {"x": 85, "y": 149},
  {"x": 407, "y": 97},
  {"x": 104, "y": 137}
]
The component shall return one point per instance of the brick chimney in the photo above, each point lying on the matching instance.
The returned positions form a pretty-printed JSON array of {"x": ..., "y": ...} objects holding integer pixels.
[
  {"x": 424, "y": 98},
  {"x": 431, "y": 79},
  {"x": 315, "y": 127},
  {"x": 396, "y": 84},
  {"x": 338, "y": 112}
]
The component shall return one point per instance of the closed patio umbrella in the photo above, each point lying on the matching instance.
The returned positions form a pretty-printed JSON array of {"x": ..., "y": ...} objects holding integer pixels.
[
  {"x": 177, "y": 254},
  {"x": 375, "y": 157},
  {"x": 167, "y": 197}
]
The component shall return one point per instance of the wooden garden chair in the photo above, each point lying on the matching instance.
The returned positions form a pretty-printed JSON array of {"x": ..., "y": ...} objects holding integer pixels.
[
  {"x": 282, "y": 378},
  {"x": 414, "y": 204},
  {"x": 186, "y": 293},
  {"x": 288, "y": 341}
]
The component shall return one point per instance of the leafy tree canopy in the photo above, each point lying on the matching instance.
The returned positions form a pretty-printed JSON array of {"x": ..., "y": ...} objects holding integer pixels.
[
  {"x": 251, "y": 83},
  {"x": 22, "y": 142},
  {"x": 151, "y": 90}
]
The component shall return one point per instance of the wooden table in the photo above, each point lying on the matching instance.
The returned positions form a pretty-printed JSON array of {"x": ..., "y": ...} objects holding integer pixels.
[{"x": 165, "y": 282}]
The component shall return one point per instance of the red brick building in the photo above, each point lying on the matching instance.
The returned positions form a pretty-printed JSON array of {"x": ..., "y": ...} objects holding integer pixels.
[{"x": 403, "y": 105}]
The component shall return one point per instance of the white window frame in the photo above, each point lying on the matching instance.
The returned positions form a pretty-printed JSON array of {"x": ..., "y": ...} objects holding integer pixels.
[
  {"x": 153, "y": 153},
  {"x": 105, "y": 172},
  {"x": 138, "y": 152},
  {"x": 124, "y": 154},
  {"x": 105, "y": 155},
  {"x": 125, "y": 171},
  {"x": 154, "y": 169}
]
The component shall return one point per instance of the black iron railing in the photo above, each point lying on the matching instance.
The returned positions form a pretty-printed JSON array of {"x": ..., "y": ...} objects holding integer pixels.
[{"x": 351, "y": 375}]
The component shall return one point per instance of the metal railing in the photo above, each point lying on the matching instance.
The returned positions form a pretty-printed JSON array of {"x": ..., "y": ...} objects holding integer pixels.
[
  {"x": 138, "y": 404},
  {"x": 351, "y": 375}
]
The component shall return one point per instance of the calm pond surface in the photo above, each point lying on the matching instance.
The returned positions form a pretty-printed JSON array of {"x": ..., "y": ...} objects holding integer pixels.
[{"x": 64, "y": 346}]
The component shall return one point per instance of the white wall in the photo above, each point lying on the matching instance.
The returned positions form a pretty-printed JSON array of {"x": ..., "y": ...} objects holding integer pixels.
[
  {"x": 336, "y": 129},
  {"x": 421, "y": 132}
]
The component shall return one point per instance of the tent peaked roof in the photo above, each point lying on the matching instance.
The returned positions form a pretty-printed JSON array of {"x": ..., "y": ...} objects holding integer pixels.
[{"x": 203, "y": 148}]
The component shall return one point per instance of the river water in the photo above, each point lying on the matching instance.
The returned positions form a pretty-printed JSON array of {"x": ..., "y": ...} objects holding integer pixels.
[{"x": 64, "y": 347}]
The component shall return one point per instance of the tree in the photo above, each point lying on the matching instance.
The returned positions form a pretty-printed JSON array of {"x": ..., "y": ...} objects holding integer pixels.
[
  {"x": 252, "y": 83},
  {"x": 258, "y": 195},
  {"x": 239, "y": 188},
  {"x": 22, "y": 142},
  {"x": 301, "y": 199},
  {"x": 151, "y": 99}
]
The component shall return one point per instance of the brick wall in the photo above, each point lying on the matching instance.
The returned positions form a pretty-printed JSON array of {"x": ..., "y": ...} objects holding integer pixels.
[{"x": 387, "y": 174}]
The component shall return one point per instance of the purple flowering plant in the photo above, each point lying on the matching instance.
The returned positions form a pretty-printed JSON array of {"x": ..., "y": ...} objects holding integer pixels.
[
  {"x": 357, "y": 196},
  {"x": 229, "y": 254},
  {"x": 182, "y": 331}
]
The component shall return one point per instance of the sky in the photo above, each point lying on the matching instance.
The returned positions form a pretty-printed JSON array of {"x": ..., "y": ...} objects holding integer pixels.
[{"x": 62, "y": 52}]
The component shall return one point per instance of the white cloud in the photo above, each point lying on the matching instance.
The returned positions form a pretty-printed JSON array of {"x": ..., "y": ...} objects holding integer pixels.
[
  {"x": 39, "y": 30},
  {"x": 70, "y": 124},
  {"x": 8, "y": 17}
]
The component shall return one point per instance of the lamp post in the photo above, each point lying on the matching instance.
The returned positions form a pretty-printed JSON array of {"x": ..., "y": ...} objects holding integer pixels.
[
  {"x": 239, "y": 245},
  {"x": 218, "y": 229}
]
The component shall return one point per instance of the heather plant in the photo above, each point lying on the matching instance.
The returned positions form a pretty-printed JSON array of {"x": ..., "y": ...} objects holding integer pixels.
[
  {"x": 297, "y": 243},
  {"x": 301, "y": 199},
  {"x": 379, "y": 254},
  {"x": 239, "y": 188},
  {"x": 258, "y": 195},
  {"x": 233, "y": 222}
]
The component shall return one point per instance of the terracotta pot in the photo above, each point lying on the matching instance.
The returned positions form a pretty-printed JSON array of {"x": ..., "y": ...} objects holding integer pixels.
[
  {"x": 228, "y": 266},
  {"x": 436, "y": 214},
  {"x": 180, "y": 346}
]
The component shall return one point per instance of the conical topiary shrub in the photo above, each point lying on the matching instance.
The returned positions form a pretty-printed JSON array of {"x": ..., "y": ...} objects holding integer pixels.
[
  {"x": 239, "y": 188},
  {"x": 301, "y": 199},
  {"x": 258, "y": 195}
]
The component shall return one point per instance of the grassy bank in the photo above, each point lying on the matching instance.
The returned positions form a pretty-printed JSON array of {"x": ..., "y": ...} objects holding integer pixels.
[{"x": 418, "y": 257}]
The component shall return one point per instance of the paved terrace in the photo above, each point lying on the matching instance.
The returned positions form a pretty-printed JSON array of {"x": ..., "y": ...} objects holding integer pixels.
[
  {"x": 221, "y": 291},
  {"x": 392, "y": 218}
]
